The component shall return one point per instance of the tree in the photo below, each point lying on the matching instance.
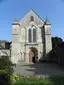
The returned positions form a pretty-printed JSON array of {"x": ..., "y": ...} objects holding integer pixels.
[{"x": 56, "y": 41}]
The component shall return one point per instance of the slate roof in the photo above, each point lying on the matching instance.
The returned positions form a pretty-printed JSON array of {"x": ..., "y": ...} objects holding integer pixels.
[{"x": 47, "y": 22}]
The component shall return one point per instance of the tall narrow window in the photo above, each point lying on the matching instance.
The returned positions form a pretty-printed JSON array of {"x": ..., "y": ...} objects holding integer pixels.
[
  {"x": 34, "y": 35},
  {"x": 31, "y": 18},
  {"x": 29, "y": 35}
]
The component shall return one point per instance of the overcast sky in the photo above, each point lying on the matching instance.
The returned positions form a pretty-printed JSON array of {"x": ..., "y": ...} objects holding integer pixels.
[{"x": 53, "y": 9}]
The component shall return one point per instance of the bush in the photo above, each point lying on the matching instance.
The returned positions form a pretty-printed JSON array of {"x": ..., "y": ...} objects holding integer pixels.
[
  {"x": 4, "y": 79},
  {"x": 15, "y": 78},
  {"x": 6, "y": 70}
]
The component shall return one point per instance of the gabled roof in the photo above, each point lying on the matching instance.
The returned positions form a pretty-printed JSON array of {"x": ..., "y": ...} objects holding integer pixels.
[
  {"x": 36, "y": 14},
  {"x": 26, "y": 19}
]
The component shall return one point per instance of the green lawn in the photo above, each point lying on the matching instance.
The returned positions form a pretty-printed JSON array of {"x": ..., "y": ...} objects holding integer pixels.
[{"x": 40, "y": 81}]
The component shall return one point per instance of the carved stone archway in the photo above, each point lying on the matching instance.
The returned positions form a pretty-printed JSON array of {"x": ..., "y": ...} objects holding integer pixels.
[{"x": 33, "y": 55}]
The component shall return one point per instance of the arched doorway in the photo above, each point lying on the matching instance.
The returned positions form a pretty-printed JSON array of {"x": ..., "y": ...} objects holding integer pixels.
[{"x": 33, "y": 55}]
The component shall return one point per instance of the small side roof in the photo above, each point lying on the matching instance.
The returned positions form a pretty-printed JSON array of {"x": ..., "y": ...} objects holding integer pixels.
[
  {"x": 3, "y": 41},
  {"x": 47, "y": 22},
  {"x": 16, "y": 22}
]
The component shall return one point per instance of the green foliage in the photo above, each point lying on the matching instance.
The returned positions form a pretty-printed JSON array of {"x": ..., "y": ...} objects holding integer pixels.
[
  {"x": 40, "y": 81},
  {"x": 56, "y": 41},
  {"x": 33, "y": 81},
  {"x": 6, "y": 70},
  {"x": 15, "y": 78},
  {"x": 58, "y": 46}
]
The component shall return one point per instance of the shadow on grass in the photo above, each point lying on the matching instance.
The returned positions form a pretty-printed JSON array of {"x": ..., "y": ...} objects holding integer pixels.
[{"x": 58, "y": 80}]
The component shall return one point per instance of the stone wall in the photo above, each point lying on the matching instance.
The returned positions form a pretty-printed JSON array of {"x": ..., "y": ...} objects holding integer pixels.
[
  {"x": 20, "y": 43},
  {"x": 5, "y": 52}
]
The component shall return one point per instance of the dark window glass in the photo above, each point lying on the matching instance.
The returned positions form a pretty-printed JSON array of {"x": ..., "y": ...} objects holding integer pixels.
[
  {"x": 29, "y": 35},
  {"x": 31, "y": 18},
  {"x": 34, "y": 35}
]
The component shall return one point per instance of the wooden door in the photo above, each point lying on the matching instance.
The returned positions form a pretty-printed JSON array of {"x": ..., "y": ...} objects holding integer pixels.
[{"x": 31, "y": 55}]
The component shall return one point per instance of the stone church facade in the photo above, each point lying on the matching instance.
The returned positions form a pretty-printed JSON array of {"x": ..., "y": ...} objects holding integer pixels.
[{"x": 31, "y": 39}]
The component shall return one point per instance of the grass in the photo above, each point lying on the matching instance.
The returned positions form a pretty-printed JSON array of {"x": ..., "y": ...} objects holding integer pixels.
[{"x": 40, "y": 81}]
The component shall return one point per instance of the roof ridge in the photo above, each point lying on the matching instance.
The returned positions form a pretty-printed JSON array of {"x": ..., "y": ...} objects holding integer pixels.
[
  {"x": 34, "y": 12},
  {"x": 37, "y": 15}
]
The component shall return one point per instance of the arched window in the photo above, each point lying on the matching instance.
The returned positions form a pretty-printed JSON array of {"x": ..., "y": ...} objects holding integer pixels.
[
  {"x": 29, "y": 35},
  {"x": 31, "y": 18},
  {"x": 34, "y": 35}
]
